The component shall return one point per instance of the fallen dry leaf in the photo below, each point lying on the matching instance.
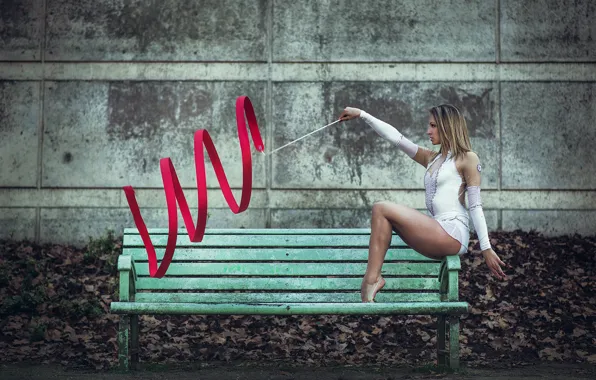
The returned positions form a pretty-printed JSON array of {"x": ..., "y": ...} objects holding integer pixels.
[{"x": 55, "y": 303}]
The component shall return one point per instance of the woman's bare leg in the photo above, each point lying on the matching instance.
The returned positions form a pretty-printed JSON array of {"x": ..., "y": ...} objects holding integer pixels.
[
  {"x": 380, "y": 238},
  {"x": 421, "y": 232}
]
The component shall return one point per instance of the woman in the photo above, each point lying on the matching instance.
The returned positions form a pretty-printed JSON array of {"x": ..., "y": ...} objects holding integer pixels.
[{"x": 450, "y": 172}]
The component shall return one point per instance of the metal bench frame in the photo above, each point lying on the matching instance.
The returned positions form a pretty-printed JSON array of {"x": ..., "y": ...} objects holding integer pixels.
[{"x": 331, "y": 288}]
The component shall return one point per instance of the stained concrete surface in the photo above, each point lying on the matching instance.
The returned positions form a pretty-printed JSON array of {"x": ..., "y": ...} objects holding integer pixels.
[
  {"x": 548, "y": 134},
  {"x": 387, "y": 30},
  {"x": 19, "y": 125},
  {"x": 548, "y": 30},
  {"x": 205, "y": 30},
  {"x": 355, "y": 218},
  {"x": 81, "y": 223},
  {"x": 21, "y": 30},
  {"x": 551, "y": 222},
  {"x": 94, "y": 93},
  {"x": 107, "y": 134},
  {"x": 18, "y": 223},
  {"x": 353, "y": 155}
]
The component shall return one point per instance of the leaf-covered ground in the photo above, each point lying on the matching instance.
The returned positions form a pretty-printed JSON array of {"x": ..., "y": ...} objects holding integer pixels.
[{"x": 54, "y": 308}]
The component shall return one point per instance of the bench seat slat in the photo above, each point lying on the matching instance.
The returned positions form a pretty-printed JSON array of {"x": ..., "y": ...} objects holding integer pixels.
[
  {"x": 253, "y": 297},
  {"x": 262, "y": 241},
  {"x": 357, "y": 308},
  {"x": 279, "y": 283},
  {"x": 290, "y": 269},
  {"x": 278, "y": 254}
]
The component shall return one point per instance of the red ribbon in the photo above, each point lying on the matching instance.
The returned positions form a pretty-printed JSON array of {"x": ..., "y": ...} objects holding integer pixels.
[{"x": 174, "y": 192}]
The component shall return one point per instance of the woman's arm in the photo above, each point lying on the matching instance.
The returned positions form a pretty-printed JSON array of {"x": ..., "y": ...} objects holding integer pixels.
[
  {"x": 471, "y": 169},
  {"x": 391, "y": 134}
]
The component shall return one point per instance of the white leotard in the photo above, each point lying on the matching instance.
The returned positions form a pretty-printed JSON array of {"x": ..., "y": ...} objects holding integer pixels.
[{"x": 442, "y": 184}]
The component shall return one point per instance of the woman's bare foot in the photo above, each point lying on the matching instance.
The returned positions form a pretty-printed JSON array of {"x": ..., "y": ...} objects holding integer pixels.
[{"x": 368, "y": 291}]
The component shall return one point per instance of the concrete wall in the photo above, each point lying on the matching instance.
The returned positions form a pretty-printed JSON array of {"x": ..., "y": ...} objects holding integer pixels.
[{"x": 94, "y": 93}]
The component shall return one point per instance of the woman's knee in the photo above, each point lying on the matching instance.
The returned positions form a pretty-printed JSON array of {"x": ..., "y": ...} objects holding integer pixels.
[
  {"x": 379, "y": 208},
  {"x": 393, "y": 212},
  {"x": 380, "y": 217}
]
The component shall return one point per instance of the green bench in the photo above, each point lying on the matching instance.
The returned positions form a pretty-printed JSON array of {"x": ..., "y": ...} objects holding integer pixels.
[{"x": 283, "y": 272}]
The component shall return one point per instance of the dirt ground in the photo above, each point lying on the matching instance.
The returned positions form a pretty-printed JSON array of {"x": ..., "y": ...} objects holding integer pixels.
[{"x": 284, "y": 372}]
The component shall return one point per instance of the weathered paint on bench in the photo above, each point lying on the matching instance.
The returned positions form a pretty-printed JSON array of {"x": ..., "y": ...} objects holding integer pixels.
[{"x": 283, "y": 272}]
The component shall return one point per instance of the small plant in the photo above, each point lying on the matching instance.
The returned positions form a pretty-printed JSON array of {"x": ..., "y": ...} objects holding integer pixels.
[
  {"x": 79, "y": 308},
  {"x": 11, "y": 305},
  {"x": 106, "y": 249},
  {"x": 38, "y": 332},
  {"x": 4, "y": 275},
  {"x": 93, "y": 309},
  {"x": 27, "y": 302}
]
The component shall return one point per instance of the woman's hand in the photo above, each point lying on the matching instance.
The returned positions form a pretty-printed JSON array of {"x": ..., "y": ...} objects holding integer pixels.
[
  {"x": 349, "y": 113},
  {"x": 494, "y": 264}
]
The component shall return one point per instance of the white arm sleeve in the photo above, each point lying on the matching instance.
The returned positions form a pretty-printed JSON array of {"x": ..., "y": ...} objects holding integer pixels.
[
  {"x": 477, "y": 214},
  {"x": 390, "y": 134}
]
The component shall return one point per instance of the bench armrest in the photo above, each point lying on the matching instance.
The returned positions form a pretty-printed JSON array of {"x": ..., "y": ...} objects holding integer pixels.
[
  {"x": 449, "y": 278},
  {"x": 128, "y": 277}
]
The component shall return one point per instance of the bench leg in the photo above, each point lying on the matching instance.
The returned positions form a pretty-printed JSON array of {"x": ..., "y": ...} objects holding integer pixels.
[
  {"x": 123, "y": 336},
  {"x": 134, "y": 341},
  {"x": 454, "y": 342},
  {"x": 441, "y": 339}
]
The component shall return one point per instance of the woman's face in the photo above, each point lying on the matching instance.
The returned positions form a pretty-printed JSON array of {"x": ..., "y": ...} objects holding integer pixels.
[{"x": 433, "y": 131}]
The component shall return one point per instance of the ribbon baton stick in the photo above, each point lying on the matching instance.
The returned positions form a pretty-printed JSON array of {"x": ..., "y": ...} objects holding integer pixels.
[{"x": 300, "y": 138}]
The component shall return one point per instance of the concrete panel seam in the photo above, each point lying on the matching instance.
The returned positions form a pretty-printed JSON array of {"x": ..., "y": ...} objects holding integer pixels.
[
  {"x": 37, "y": 224},
  {"x": 498, "y": 31},
  {"x": 159, "y": 71},
  {"x": 500, "y": 100},
  {"x": 40, "y": 126},
  {"x": 40, "y": 130},
  {"x": 299, "y": 72},
  {"x": 43, "y": 22},
  {"x": 269, "y": 105}
]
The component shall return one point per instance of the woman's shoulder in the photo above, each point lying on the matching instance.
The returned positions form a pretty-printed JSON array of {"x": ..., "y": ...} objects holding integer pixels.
[
  {"x": 468, "y": 159},
  {"x": 471, "y": 156},
  {"x": 468, "y": 156}
]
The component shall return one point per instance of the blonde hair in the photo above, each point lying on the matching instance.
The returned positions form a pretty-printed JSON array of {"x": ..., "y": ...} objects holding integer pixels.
[{"x": 453, "y": 130}]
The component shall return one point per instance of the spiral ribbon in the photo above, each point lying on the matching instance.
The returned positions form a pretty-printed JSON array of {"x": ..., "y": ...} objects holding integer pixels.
[{"x": 174, "y": 192}]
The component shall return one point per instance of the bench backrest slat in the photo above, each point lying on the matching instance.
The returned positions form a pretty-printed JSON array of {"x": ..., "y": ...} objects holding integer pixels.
[
  {"x": 290, "y": 269},
  {"x": 277, "y": 254},
  {"x": 262, "y": 241}
]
